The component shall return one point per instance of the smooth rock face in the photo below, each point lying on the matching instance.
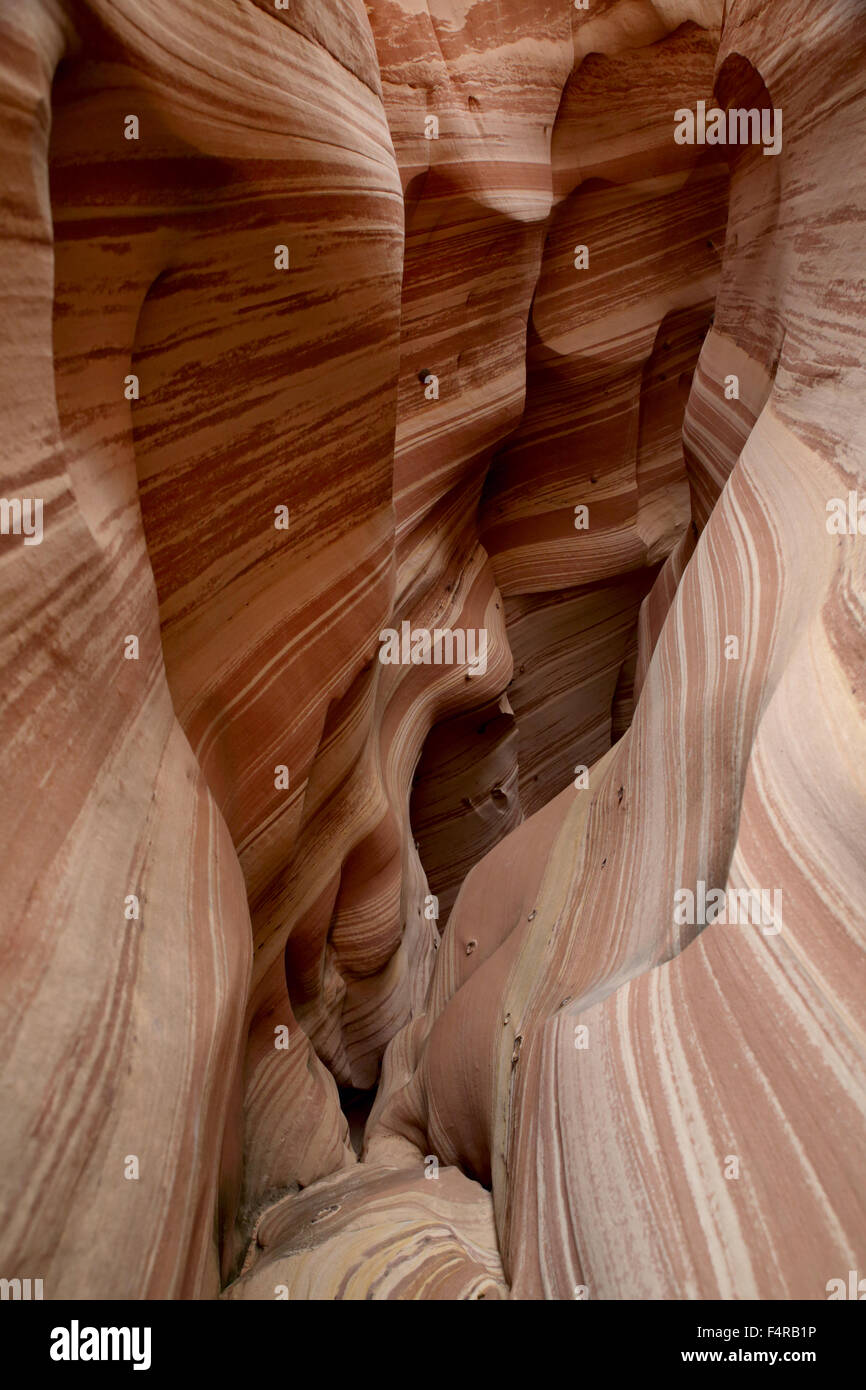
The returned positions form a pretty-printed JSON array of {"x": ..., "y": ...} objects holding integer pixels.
[
  {"x": 377, "y": 1233},
  {"x": 309, "y": 354}
]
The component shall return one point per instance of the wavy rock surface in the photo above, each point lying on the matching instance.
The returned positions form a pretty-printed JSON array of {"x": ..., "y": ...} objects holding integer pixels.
[
  {"x": 377, "y": 1233},
  {"x": 612, "y": 348},
  {"x": 597, "y": 1063},
  {"x": 221, "y": 858}
]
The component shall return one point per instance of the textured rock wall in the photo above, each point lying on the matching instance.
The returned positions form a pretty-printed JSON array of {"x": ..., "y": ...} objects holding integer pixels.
[
  {"x": 280, "y": 803},
  {"x": 612, "y": 350},
  {"x": 607, "y": 1148}
]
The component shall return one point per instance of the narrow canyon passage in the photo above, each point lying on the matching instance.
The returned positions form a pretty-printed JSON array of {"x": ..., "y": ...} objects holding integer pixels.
[{"x": 434, "y": 805}]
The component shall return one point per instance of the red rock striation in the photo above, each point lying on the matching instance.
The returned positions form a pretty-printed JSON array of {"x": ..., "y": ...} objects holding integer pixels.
[{"x": 332, "y": 322}]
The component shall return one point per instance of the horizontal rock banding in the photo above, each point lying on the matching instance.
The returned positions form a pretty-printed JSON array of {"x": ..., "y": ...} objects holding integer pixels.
[{"x": 342, "y": 321}]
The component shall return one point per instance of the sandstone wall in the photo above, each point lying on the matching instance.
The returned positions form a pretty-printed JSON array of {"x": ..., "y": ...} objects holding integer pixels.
[{"x": 283, "y": 261}]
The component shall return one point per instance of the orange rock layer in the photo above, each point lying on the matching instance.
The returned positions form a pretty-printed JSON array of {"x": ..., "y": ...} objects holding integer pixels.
[{"x": 333, "y": 320}]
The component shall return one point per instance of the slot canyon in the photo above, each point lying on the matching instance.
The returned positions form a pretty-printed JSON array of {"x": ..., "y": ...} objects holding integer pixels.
[{"x": 328, "y": 976}]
